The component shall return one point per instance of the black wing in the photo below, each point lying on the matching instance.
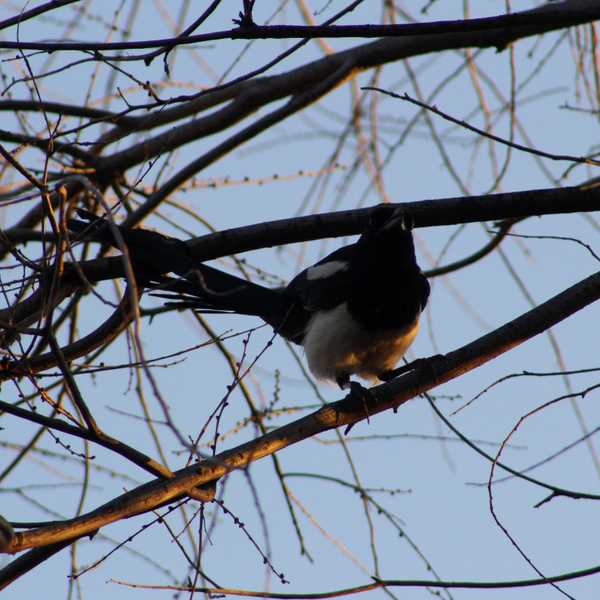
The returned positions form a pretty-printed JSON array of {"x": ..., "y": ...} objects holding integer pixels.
[{"x": 327, "y": 283}]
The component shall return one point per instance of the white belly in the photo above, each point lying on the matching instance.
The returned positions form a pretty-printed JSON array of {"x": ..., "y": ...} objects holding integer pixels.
[{"x": 336, "y": 346}]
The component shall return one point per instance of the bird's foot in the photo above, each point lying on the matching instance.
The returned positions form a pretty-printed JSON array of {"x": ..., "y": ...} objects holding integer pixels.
[
  {"x": 343, "y": 381},
  {"x": 361, "y": 394}
]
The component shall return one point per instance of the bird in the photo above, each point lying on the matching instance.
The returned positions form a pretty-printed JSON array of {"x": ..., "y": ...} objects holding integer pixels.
[{"x": 355, "y": 312}]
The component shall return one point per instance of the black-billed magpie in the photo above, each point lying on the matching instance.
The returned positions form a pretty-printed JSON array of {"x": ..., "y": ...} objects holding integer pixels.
[{"x": 356, "y": 311}]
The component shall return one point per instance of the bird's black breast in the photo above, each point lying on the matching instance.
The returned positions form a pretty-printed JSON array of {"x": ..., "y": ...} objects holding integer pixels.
[{"x": 390, "y": 301}]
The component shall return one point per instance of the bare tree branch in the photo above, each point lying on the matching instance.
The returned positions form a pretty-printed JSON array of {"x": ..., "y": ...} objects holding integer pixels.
[{"x": 336, "y": 414}]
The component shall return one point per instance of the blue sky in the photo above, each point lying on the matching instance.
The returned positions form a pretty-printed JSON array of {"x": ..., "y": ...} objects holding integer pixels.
[{"x": 446, "y": 517}]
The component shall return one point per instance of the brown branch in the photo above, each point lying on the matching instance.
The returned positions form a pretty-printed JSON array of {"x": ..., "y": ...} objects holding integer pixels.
[
  {"x": 378, "y": 583},
  {"x": 130, "y": 453},
  {"x": 17, "y": 318},
  {"x": 63, "y": 191},
  {"x": 21, "y": 235},
  {"x": 343, "y": 412},
  {"x": 8, "y": 157},
  {"x": 148, "y": 58}
]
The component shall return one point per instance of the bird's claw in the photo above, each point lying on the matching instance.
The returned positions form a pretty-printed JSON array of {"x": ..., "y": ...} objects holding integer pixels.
[{"x": 361, "y": 394}]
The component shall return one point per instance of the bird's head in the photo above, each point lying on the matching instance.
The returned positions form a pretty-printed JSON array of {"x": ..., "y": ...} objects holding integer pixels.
[
  {"x": 389, "y": 216},
  {"x": 389, "y": 235}
]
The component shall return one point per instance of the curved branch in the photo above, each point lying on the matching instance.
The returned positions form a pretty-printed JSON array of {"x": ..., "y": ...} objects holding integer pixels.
[
  {"x": 129, "y": 452},
  {"x": 488, "y": 248},
  {"x": 104, "y": 334},
  {"x": 378, "y": 583},
  {"x": 17, "y": 318}
]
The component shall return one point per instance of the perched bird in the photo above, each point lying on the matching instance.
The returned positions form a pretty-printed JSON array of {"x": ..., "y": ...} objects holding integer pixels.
[{"x": 355, "y": 312}]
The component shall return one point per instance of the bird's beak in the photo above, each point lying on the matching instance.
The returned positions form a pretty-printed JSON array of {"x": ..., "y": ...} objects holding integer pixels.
[{"x": 399, "y": 220}]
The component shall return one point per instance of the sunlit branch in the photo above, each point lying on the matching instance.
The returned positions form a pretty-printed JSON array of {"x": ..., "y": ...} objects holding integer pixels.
[{"x": 336, "y": 414}]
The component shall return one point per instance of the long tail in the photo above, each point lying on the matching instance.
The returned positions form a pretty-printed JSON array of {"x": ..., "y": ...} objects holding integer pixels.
[
  {"x": 206, "y": 289},
  {"x": 201, "y": 287}
]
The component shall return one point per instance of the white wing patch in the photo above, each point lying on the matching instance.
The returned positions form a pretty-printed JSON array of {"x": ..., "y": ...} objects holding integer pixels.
[{"x": 326, "y": 269}]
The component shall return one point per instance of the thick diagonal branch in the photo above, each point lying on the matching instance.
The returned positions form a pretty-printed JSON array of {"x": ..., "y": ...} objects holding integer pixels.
[{"x": 344, "y": 412}]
